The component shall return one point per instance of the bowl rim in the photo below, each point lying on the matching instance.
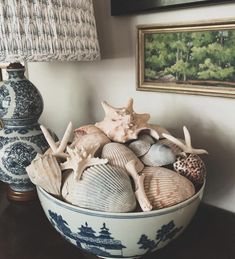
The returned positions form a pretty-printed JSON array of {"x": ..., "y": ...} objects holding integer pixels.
[{"x": 129, "y": 215}]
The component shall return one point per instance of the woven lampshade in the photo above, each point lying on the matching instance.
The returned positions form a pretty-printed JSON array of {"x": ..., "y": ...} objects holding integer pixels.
[{"x": 47, "y": 30}]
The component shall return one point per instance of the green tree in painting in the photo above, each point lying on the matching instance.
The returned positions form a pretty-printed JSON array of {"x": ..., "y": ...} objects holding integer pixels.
[{"x": 191, "y": 57}]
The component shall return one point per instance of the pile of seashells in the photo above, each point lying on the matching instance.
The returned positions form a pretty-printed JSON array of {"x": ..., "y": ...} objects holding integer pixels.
[{"x": 121, "y": 164}]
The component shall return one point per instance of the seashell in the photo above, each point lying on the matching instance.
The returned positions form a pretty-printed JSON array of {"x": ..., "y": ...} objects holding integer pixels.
[
  {"x": 158, "y": 155},
  {"x": 80, "y": 159},
  {"x": 123, "y": 124},
  {"x": 192, "y": 167},
  {"x": 160, "y": 130},
  {"x": 85, "y": 129},
  {"x": 146, "y": 138},
  {"x": 139, "y": 147},
  {"x": 165, "y": 188},
  {"x": 186, "y": 146},
  {"x": 119, "y": 155},
  {"x": 87, "y": 141},
  {"x": 45, "y": 172},
  {"x": 174, "y": 148},
  {"x": 102, "y": 188}
]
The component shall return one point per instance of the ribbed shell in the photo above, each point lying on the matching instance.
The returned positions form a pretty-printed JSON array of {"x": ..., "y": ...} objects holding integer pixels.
[
  {"x": 165, "y": 188},
  {"x": 45, "y": 172},
  {"x": 192, "y": 167},
  {"x": 158, "y": 155},
  {"x": 119, "y": 155},
  {"x": 102, "y": 188}
]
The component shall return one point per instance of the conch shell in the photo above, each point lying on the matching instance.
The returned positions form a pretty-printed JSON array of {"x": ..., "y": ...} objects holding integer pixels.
[{"x": 123, "y": 124}]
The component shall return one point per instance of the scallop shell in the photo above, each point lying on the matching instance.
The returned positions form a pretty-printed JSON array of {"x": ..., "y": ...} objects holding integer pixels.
[
  {"x": 192, "y": 167},
  {"x": 45, "y": 172},
  {"x": 165, "y": 188},
  {"x": 119, "y": 155},
  {"x": 158, "y": 155},
  {"x": 102, "y": 188}
]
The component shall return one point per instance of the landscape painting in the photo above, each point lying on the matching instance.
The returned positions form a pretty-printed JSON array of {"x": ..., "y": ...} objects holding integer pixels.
[{"x": 197, "y": 59}]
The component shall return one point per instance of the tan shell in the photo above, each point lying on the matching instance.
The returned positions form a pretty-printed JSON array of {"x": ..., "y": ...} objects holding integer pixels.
[
  {"x": 165, "y": 188},
  {"x": 123, "y": 124},
  {"x": 85, "y": 129},
  {"x": 102, "y": 188},
  {"x": 158, "y": 155},
  {"x": 89, "y": 140},
  {"x": 119, "y": 155},
  {"x": 45, "y": 172}
]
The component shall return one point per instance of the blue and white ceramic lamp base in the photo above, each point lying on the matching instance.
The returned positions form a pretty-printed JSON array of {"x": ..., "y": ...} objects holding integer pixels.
[{"x": 20, "y": 137}]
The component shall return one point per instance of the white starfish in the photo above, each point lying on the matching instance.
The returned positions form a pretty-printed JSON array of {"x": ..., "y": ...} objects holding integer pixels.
[
  {"x": 58, "y": 150},
  {"x": 187, "y": 147},
  {"x": 80, "y": 159}
]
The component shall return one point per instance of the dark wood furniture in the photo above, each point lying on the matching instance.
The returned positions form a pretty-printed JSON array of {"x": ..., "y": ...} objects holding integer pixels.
[{"x": 25, "y": 233}]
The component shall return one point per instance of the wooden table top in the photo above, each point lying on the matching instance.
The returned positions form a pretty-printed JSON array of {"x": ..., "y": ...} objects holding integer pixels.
[{"x": 25, "y": 233}]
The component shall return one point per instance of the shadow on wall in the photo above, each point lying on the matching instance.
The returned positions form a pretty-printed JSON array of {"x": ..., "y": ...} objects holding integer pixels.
[{"x": 114, "y": 33}]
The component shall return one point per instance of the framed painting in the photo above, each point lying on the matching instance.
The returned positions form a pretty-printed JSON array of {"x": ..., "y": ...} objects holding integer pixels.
[
  {"x": 187, "y": 58},
  {"x": 121, "y": 7}
]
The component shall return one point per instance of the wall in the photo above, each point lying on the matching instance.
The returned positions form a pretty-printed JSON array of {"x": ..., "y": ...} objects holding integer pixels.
[{"x": 73, "y": 91}]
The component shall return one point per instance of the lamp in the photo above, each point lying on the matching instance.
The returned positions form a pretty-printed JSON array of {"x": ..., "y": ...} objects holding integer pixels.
[{"x": 38, "y": 30}]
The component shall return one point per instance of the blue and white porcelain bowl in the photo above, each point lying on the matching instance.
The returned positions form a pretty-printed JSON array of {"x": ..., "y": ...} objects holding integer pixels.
[{"x": 118, "y": 235}]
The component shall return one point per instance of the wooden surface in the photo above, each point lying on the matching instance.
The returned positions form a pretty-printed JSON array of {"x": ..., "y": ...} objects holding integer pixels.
[{"x": 25, "y": 233}]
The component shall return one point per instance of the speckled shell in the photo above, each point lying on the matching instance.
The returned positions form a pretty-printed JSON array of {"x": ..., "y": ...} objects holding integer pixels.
[
  {"x": 192, "y": 167},
  {"x": 175, "y": 149},
  {"x": 158, "y": 155},
  {"x": 119, "y": 155},
  {"x": 165, "y": 188},
  {"x": 45, "y": 172},
  {"x": 102, "y": 188},
  {"x": 89, "y": 140}
]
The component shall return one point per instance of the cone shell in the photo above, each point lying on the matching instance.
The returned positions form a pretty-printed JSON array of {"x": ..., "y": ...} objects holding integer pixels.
[
  {"x": 45, "y": 172},
  {"x": 192, "y": 167},
  {"x": 102, "y": 188},
  {"x": 119, "y": 155},
  {"x": 158, "y": 155},
  {"x": 165, "y": 188}
]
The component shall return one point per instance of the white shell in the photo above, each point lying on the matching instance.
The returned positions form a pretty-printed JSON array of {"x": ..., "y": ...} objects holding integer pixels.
[
  {"x": 158, "y": 155},
  {"x": 119, "y": 155},
  {"x": 175, "y": 148},
  {"x": 139, "y": 147},
  {"x": 165, "y": 188},
  {"x": 45, "y": 172},
  {"x": 102, "y": 188}
]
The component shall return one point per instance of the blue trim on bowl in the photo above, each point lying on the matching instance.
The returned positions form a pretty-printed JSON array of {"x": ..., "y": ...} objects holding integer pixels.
[{"x": 129, "y": 215}]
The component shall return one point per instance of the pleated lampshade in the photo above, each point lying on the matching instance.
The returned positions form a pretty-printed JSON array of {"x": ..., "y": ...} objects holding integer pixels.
[{"x": 47, "y": 30}]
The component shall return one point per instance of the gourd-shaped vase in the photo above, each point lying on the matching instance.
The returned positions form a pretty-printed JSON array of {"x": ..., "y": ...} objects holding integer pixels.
[{"x": 20, "y": 136}]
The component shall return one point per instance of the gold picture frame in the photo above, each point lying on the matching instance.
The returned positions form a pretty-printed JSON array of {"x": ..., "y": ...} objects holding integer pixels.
[{"x": 197, "y": 58}]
